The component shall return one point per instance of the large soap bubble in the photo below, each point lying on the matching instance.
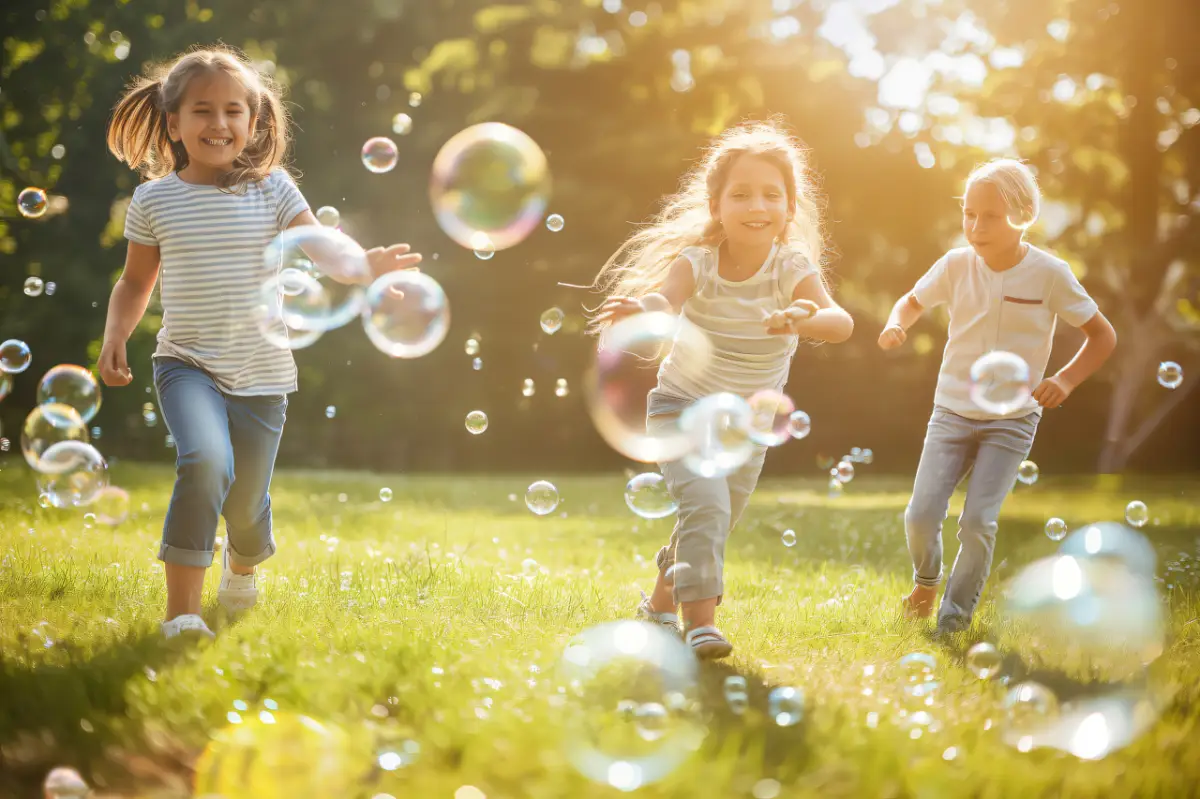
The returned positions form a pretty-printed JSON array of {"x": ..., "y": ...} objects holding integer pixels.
[
  {"x": 291, "y": 308},
  {"x": 407, "y": 314},
  {"x": 331, "y": 257},
  {"x": 1115, "y": 541},
  {"x": 772, "y": 417},
  {"x": 617, "y": 383},
  {"x": 1000, "y": 382},
  {"x": 47, "y": 425},
  {"x": 491, "y": 179},
  {"x": 632, "y": 703},
  {"x": 71, "y": 385},
  {"x": 719, "y": 427},
  {"x": 72, "y": 474}
]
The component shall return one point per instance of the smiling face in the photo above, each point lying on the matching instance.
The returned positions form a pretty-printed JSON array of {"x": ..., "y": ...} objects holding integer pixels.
[
  {"x": 213, "y": 121},
  {"x": 986, "y": 222},
  {"x": 753, "y": 204}
]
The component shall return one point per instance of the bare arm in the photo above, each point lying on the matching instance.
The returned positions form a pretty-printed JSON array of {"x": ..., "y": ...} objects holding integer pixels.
[
  {"x": 677, "y": 288},
  {"x": 126, "y": 307},
  {"x": 379, "y": 259},
  {"x": 904, "y": 315},
  {"x": 1098, "y": 345},
  {"x": 813, "y": 314}
]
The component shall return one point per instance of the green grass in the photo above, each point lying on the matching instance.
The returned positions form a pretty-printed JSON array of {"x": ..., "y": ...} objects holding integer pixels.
[{"x": 440, "y": 617}]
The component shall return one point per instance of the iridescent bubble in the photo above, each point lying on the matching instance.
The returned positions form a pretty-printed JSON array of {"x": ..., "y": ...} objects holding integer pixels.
[
  {"x": 482, "y": 246},
  {"x": 1000, "y": 382},
  {"x": 552, "y": 319},
  {"x": 72, "y": 474},
  {"x": 477, "y": 364},
  {"x": 407, "y": 314},
  {"x": 1027, "y": 472},
  {"x": 477, "y": 422},
  {"x": 785, "y": 705},
  {"x": 541, "y": 497},
  {"x": 33, "y": 286},
  {"x": 916, "y": 674},
  {"x": 554, "y": 223},
  {"x": 632, "y": 716},
  {"x": 385, "y": 494},
  {"x": 735, "y": 694},
  {"x": 335, "y": 260},
  {"x": 1056, "y": 528},
  {"x": 799, "y": 425},
  {"x": 625, "y": 370},
  {"x": 1028, "y": 705},
  {"x": 67, "y": 384},
  {"x": 527, "y": 387},
  {"x": 89, "y": 520},
  {"x": 789, "y": 538},
  {"x": 329, "y": 216},
  {"x": 65, "y": 783},
  {"x": 984, "y": 660},
  {"x": 330, "y": 411},
  {"x": 414, "y": 100},
  {"x": 51, "y": 287},
  {"x": 44, "y": 500},
  {"x": 14, "y": 356},
  {"x": 379, "y": 155},
  {"x": 402, "y": 124},
  {"x": 47, "y": 425},
  {"x": 1112, "y": 541},
  {"x": 1137, "y": 514},
  {"x": 31, "y": 202},
  {"x": 560, "y": 387},
  {"x": 844, "y": 471},
  {"x": 111, "y": 505},
  {"x": 647, "y": 496},
  {"x": 718, "y": 429},
  {"x": 771, "y": 421},
  {"x": 490, "y": 178},
  {"x": 286, "y": 299},
  {"x": 4, "y": 444},
  {"x": 1170, "y": 375},
  {"x": 472, "y": 346}
]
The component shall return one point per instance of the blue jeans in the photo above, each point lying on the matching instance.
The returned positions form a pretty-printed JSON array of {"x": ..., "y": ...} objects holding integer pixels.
[
  {"x": 991, "y": 450},
  {"x": 214, "y": 434}
]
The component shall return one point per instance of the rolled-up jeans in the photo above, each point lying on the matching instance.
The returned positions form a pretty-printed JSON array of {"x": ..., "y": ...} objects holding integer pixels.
[
  {"x": 991, "y": 450},
  {"x": 225, "y": 454},
  {"x": 709, "y": 508}
]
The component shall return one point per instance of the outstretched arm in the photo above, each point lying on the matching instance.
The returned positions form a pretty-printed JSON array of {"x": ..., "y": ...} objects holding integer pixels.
[
  {"x": 676, "y": 289},
  {"x": 1099, "y": 343},
  {"x": 904, "y": 315},
  {"x": 812, "y": 314},
  {"x": 380, "y": 260}
]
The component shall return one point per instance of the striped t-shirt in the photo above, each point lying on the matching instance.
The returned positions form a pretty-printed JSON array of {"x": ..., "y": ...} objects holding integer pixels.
[{"x": 211, "y": 246}]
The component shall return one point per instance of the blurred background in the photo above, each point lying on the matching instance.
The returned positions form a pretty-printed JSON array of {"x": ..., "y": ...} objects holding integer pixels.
[{"x": 897, "y": 100}]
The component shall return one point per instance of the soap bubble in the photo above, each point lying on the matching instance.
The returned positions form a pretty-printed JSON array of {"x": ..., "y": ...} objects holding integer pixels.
[
  {"x": 718, "y": 429},
  {"x": 490, "y": 178},
  {"x": 33, "y": 286},
  {"x": 379, "y": 155},
  {"x": 633, "y": 712},
  {"x": 785, "y": 705},
  {"x": 1027, "y": 472},
  {"x": 836, "y": 488},
  {"x": 483, "y": 247},
  {"x": 31, "y": 202},
  {"x": 385, "y": 494},
  {"x": 541, "y": 497},
  {"x": 330, "y": 411},
  {"x": 477, "y": 364},
  {"x": 1170, "y": 375},
  {"x": 407, "y": 314},
  {"x": 984, "y": 661},
  {"x": 289, "y": 298},
  {"x": 51, "y": 287},
  {"x": 1113, "y": 541},
  {"x": 554, "y": 223},
  {"x": 1000, "y": 382},
  {"x": 552, "y": 319},
  {"x": 322, "y": 253},
  {"x": 799, "y": 425},
  {"x": 65, "y": 783},
  {"x": 560, "y": 387},
  {"x": 788, "y": 538},
  {"x": 1056, "y": 528},
  {"x": 477, "y": 422},
  {"x": 625, "y": 369},
  {"x": 72, "y": 474},
  {"x": 916, "y": 674},
  {"x": 527, "y": 387},
  {"x": 647, "y": 496},
  {"x": 844, "y": 471},
  {"x": 67, "y": 384},
  {"x": 1137, "y": 514},
  {"x": 14, "y": 356},
  {"x": 329, "y": 216},
  {"x": 402, "y": 124},
  {"x": 111, "y": 505},
  {"x": 771, "y": 420},
  {"x": 1028, "y": 705},
  {"x": 414, "y": 100},
  {"x": 472, "y": 346},
  {"x": 47, "y": 425}
]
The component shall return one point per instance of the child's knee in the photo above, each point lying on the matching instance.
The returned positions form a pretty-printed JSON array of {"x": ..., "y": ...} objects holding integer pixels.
[{"x": 922, "y": 519}]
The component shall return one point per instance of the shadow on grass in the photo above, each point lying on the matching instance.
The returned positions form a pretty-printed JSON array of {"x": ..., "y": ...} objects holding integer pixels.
[{"x": 76, "y": 713}]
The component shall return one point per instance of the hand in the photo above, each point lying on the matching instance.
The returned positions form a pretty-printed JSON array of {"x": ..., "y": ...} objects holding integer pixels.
[
  {"x": 616, "y": 308},
  {"x": 1052, "y": 392},
  {"x": 788, "y": 320},
  {"x": 381, "y": 260},
  {"x": 891, "y": 337},
  {"x": 114, "y": 371}
]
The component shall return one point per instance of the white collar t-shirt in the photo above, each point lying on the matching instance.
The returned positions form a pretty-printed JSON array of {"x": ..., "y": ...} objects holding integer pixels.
[{"x": 1014, "y": 310}]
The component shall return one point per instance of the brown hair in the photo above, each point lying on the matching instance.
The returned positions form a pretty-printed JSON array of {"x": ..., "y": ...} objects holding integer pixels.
[{"x": 137, "y": 133}]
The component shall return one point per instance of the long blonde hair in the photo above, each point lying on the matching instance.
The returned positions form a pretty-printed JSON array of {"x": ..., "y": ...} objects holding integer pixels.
[
  {"x": 640, "y": 265},
  {"x": 137, "y": 133}
]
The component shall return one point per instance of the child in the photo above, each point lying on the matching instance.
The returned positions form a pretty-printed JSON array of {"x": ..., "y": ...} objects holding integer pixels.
[
  {"x": 1002, "y": 294},
  {"x": 738, "y": 253},
  {"x": 212, "y": 136}
]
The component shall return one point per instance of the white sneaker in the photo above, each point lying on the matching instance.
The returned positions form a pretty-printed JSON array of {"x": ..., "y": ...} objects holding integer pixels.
[
  {"x": 188, "y": 625},
  {"x": 237, "y": 591}
]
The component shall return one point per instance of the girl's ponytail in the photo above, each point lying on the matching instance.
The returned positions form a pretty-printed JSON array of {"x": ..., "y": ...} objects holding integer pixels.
[{"x": 137, "y": 132}]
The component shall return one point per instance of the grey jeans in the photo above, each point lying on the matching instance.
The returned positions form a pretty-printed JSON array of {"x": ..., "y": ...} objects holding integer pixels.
[
  {"x": 709, "y": 507},
  {"x": 991, "y": 450}
]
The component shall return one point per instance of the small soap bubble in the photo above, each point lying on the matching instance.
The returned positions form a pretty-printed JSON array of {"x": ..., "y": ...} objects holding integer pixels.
[
  {"x": 51, "y": 287},
  {"x": 33, "y": 286},
  {"x": 1170, "y": 375},
  {"x": 844, "y": 471},
  {"x": 402, "y": 124},
  {"x": 477, "y": 364},
  {"x": 379, "y": 155},
  {"x": 472, "y": 346},
  {"x": 385, "y": 494},
  {"x": 541, "y": 497},
  {"x": 414, "y": 100},
  {"x": 527, "y": 387},
  {"x": 735, "y": 694},
  {"x": 554, "y": 223},
  {"x": 4, "y": 444},
  {"x": 1000, "y": 382},
  {"x": 560, "y": 387},
  {"x": 477, "y": 422},
  {"x": 1056, "y": 528},
  {"x": 789, "y": 538},
  {"x": 483, "y": 247},
  {"x": 552, "y": 319},
  {"x": 647, "y": 496},
  {"x": 785, "y": 705},
  {"x": 771, "y": 424},
  {"x": 65, "y": 783},
  {"x": 1136, "y": 513},
  {"x": 330, "y": 411},
  {"x": 984, "y": 660},
  {"x": 329, "y": 216},
  {"x": 14, "y": 356},
  {"x": 836, "y": 488},
  {"x": 799, "y": 425},
  {"x": 1027, "y": 472},
  {"x": 31, "y": 203}
]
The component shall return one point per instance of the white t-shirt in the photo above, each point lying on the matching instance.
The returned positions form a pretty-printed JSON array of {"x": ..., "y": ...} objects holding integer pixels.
[
  {"x": 742, "y": 357},
  {"x": 211, "y": 246},
  {"x": 1015, "y": 310}
]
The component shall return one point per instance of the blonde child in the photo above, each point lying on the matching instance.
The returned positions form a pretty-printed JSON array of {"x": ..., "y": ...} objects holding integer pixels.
[
  {"x": 1003, "y": 294},
  {"x": 738, "y": 253},
  {"x": 211, "y": 135}
]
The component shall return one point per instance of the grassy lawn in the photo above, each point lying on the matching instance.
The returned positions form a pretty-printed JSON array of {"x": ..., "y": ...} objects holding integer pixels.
[{"x": 439, "y": 619}]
